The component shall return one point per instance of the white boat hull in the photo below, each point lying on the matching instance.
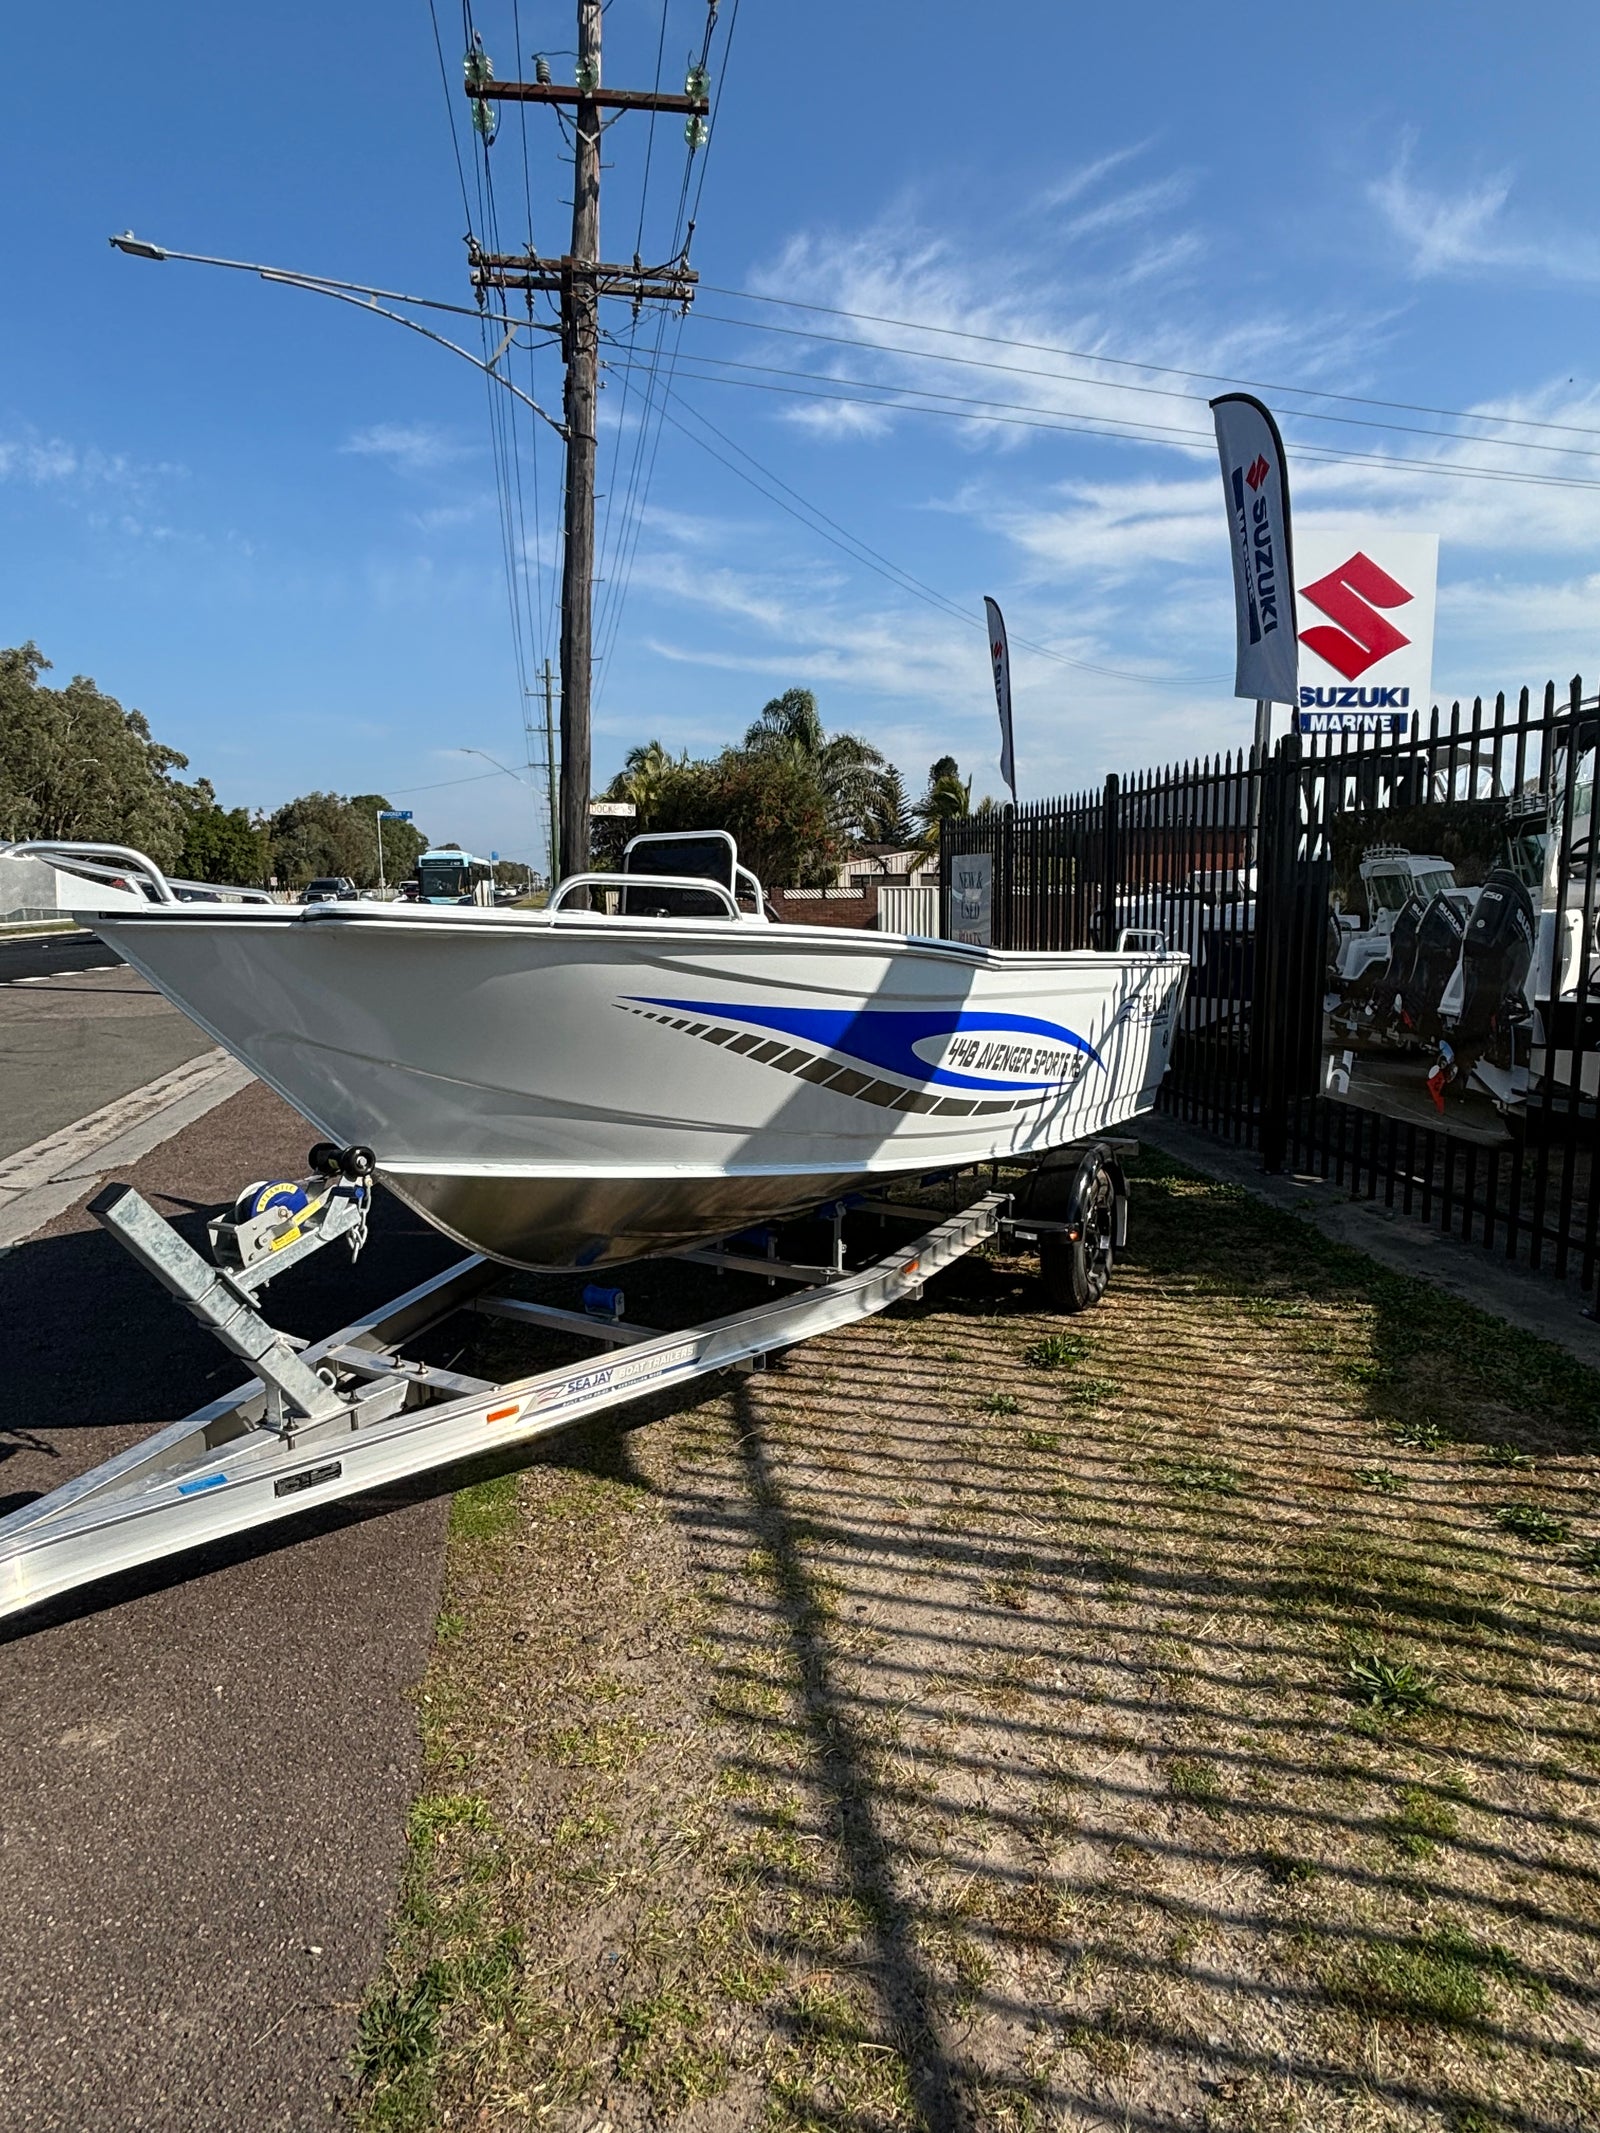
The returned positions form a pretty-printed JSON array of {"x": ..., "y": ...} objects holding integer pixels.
[{"x": 579, "y": 1090}]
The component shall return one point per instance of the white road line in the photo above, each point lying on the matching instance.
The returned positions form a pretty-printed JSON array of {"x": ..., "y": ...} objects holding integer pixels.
[{"x": 37, "y": 1183}]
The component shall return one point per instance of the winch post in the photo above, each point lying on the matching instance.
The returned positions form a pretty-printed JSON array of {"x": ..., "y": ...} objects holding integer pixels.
[{"x": 218, "y": 1306}]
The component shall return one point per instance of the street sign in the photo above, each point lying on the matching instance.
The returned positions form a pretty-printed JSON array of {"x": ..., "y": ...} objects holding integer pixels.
[
  {"x": 494, "y": 858},
  {"x": 394, "y": 814},
  {"x": 612, "y": 807}
]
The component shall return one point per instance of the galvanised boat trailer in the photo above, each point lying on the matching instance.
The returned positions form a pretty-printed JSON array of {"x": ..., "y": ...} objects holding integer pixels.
[{"x": 352, "y": 1412}]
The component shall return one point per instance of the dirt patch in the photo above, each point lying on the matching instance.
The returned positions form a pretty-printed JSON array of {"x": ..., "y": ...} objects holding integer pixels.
[{"x": 1181, "y": 1717}]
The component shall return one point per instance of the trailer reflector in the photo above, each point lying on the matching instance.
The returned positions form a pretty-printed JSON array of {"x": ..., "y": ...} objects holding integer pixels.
[{"x": 503, "y": 1414}]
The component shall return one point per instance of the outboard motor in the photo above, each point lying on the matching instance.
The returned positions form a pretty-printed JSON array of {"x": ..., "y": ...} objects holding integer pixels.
[
  {"x": 1496, "y": 951},
  {"x": 1438, "y": 949},
  {"x": 1371, "y": 998}
]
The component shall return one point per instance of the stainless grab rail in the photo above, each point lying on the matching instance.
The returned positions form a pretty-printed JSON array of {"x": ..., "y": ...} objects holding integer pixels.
[{"x": 87, "y": 858}]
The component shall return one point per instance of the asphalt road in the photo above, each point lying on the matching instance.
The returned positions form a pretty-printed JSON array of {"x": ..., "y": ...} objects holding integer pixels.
[
  {"x": 70, "y": 1043},
  {"x": 42, "y": 955},
  {"x": 207, "y": 1767}
]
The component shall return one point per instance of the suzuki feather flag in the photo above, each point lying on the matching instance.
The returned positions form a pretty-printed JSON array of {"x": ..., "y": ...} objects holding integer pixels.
[
  {"x": 1000, "y": 655},
  {"x": 1256, "y": 483}
]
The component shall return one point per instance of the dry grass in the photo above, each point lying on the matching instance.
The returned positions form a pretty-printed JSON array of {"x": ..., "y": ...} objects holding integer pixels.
[{"x": 956, "y": 1729}]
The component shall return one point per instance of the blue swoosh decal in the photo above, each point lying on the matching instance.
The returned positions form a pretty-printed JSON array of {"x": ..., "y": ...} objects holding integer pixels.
[{"x": 884, "y": 1036}]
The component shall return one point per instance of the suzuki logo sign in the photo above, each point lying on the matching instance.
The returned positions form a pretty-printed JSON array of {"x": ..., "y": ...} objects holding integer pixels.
[
  {"x": 1363, "y": 636},
  {"x": 1369, "y": 665},
  {"x": 1257, "y": 474}
]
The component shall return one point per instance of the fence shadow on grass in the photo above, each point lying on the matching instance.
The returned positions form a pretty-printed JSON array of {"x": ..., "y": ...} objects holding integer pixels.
[{"x": 1036, "y": 1691}]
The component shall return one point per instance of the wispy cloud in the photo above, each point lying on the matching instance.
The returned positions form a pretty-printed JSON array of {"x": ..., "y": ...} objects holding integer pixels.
[
  {"x": 797, "y": 617},
  {"x": 441, "y": 517},
  {"x": 841, "y": 418},
  {"x": 1138, "y": 204},
  {"x": 1469, "y": 232},
  {"x": 409, "y": 447},
  {"x": 52, "y": 462},
  {"x": 976, "y": 321},
  {"x": 1087, "y": 176}
]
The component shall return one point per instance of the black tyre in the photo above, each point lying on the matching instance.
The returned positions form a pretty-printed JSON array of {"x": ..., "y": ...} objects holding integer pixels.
[
  {"x": 326, "y": 1160},
  {"x": 1074, "y": 1271}
]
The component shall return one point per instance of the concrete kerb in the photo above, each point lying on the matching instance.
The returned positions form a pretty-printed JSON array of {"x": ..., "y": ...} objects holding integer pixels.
[{"x": 1532, "y": 1302}]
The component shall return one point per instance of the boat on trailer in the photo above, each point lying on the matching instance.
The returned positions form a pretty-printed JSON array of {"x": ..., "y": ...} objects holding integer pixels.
[
  {"x": 564, "y": 1088},
  {"x": 575, "y": 1087}
]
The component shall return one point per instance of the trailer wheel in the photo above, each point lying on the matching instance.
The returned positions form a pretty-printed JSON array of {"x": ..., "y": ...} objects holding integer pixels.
[{"x": 1075, "y": 1269}]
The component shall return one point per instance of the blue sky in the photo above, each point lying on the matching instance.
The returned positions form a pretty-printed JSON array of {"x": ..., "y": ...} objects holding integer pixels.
[{"x": 274, "y": 525}]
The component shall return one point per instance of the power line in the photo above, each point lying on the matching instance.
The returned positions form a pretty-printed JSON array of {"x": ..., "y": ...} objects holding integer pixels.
[
  {"x": 650, "y": 136},
  {"x": 682, "y": 240},
  {"x": 608, "y": 556},
  {"x": 450, "y": 112},
  {"x": 582, "y": 282},
  {"x": 1169, "y": 370},
  {"x": 858, "y": 550},
  {"x": 716, "y": 106},
  {"x": 1162, "y": 392},
  {"x": 1161, "y": 434},
  {"x": 404, "y": 792}
]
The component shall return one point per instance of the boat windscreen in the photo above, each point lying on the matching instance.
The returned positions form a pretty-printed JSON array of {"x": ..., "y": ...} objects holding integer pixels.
[{"x": 709, "y": 856}]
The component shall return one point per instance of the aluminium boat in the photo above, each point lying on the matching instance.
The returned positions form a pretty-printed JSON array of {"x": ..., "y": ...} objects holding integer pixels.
[{"x": 576, "y": 1087}]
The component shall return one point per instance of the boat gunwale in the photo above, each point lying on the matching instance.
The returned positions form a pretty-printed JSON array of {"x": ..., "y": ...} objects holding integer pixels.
[{"x": 598, "y": 927}]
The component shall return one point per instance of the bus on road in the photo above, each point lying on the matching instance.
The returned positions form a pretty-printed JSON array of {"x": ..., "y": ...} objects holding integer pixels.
[{"x": 452, "y": 877}]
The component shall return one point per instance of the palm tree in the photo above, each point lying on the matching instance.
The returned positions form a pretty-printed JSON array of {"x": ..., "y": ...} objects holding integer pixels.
[
  {"x": 645, "y": 771},
  {"x": 850, "y": 773},
  {"x": 948, "y": 798}
]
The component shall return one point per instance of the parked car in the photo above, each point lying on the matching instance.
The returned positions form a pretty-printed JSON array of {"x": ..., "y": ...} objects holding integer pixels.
[{"x": 331, "y": 889}]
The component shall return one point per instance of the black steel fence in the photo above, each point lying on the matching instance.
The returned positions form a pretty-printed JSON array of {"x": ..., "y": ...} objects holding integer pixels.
[{"x": 1394, "y": 975}]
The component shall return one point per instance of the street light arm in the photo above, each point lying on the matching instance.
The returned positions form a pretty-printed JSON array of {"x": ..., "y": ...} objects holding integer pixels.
[
  {"x": 140, "y": 248},
  {"x": 362, "y": 297}
]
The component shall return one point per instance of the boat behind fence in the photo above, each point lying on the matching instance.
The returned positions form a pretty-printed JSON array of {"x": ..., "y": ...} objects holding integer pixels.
[{"x": 1394, "y": 976}]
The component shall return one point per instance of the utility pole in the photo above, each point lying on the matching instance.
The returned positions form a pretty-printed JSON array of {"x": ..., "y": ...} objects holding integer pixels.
[
  {"x": 580, "y": 280},
  {"x": 580, "y": 320},
  {"x": 552, "y": 788}
]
